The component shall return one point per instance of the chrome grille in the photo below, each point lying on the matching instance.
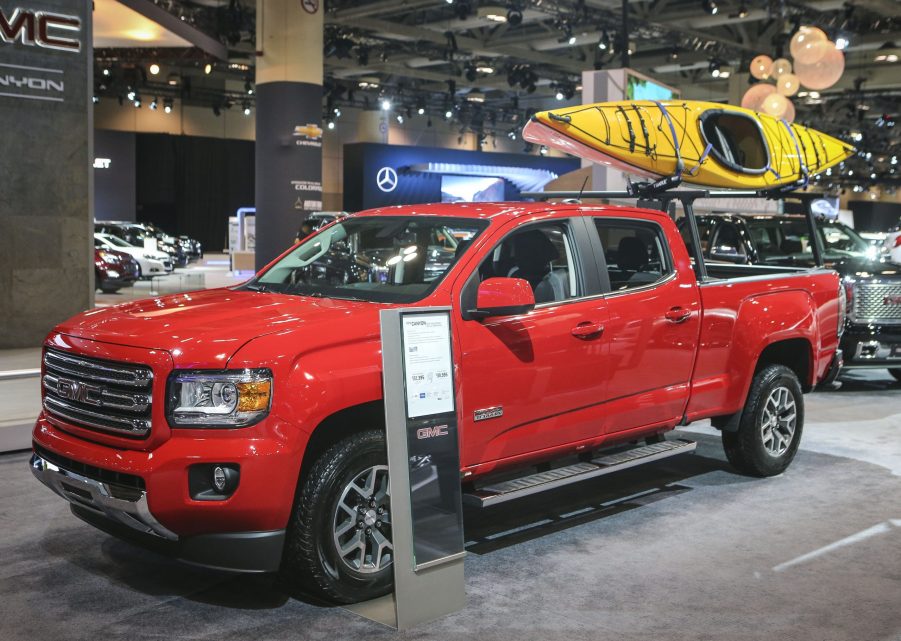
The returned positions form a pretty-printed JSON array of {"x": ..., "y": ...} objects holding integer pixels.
[
  {"x": 98, "y": 395},
  {"x": 877, "y": 303}
]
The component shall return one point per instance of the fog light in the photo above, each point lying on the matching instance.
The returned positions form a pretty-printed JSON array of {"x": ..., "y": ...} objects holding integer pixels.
[{"x": 219, "y": 479}]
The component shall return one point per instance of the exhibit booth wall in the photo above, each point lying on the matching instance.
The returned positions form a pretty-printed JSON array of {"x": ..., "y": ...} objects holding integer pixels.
[
  {"x": 114, "y": 175},
  {"x": 415, "y": 174},
  {"x": 45, "y": 170}
]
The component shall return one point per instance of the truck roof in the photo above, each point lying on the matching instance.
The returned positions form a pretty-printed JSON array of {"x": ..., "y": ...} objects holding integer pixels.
[{"x": 498, "y": 211}]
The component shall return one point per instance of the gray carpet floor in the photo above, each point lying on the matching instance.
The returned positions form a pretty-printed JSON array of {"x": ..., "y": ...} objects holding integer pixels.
[{"x": 681, "y": 549}]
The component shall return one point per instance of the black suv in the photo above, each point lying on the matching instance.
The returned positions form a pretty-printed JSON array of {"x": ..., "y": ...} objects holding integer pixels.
[{"x": 872, "y": 337}]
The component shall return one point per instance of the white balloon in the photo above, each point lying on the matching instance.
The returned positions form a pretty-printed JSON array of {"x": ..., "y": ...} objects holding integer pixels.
[
  {"x": 775, "y": 105},
  {"x": 804, "y": 38},
  {"x": 788, "y": 84},
  {"x": 823, "y": 73},
  {"x": 754, "y": 97},
  {"x": 781, "y": 66},
  {"x": 761, "y": 67}
]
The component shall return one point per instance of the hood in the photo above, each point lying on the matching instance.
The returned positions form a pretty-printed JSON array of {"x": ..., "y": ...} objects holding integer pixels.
[{"x": 205, "y": 328}]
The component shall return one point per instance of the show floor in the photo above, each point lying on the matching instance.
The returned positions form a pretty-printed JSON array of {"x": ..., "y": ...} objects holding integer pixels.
[{"x": 682, "y": 549}]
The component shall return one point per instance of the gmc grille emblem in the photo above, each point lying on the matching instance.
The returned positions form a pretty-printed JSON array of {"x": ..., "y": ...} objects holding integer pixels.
[
  {"x": 79, "y": 392},
  {"x": 431, "y": 432},
  {"x": 892, "y": 300}
]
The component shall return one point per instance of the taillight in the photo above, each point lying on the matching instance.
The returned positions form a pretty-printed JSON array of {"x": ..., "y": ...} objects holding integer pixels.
[{"x": 897, "y": 241}]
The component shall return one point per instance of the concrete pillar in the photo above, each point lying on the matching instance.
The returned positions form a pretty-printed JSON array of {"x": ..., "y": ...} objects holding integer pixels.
[
  {"x": 46, "y": 174},
  {"x": 288, "y": 121},
  {"x": 372, "y": 126}
]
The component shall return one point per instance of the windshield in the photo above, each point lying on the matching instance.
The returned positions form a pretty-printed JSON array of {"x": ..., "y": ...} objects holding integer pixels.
[
  {"x": 779, "y": 241},
  {"x": 376, "y": 258},
  {"x": 115, "y": 240}
]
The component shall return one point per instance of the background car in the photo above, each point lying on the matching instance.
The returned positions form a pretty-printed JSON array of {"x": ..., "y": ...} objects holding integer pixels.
[
  {"x": 114, "y": 270},
  {"x": 150, "y": 263},
  {"x": 892, "y": 244}
]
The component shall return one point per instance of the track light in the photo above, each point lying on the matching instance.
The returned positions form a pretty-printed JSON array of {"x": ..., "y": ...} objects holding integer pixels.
[
  {"x": 337, "y": 112},
  {"x": 714, "y": 68},
  {"x": 208, "y": 68},
  {"x": 400, "y": 119},
  {"x": 674, "y": 54},
  {"x": 153, "y": 105},
  {"x": 386, "y": 104},
  {"x": 842, "y": 42},
  {"x": 330, "y": 124},
  {"x": 559, "y": 95},
  {"x": 514, "y": 17},
  {"x": 246, "y": 109},
  {"x": 167, "y": 105},
  {"x": 248, "y": 88},
  {"x": 420, "y": 111},
  {"x": 448, "y": 114},
  {"x": 137, "y": 102},
  {"x": 742, "y": 10},
  {"x": 604, "y": 42},
  {"x": 542, "y": 150},
  {"x": 511, "y": 134},
  {"x": 709, "y": 6},
  {"x": 96, "y": 99},
  {"x": 106, "y": 72},
  {"x": 154, "y": 69},
  {"x": 131, "y": 94}
]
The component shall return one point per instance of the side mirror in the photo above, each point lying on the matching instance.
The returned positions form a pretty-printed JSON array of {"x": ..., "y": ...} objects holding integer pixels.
[{"x": 503, "y": 297}]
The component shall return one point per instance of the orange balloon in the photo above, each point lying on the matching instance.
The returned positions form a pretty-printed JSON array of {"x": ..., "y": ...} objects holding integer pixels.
[
  {"x": 804, "y": 38},
  {"x": 775, "y": 105},
  {"x": 789, "y": 115},
  {"x": 823, "y": 73},
  {"x": 812, "y": 52},
  {"x": 788, "y": 84},
  {"x": 754, "y": 97},
  {"x": 761, "y": 67},
  {"x": 781, "y": 67}
]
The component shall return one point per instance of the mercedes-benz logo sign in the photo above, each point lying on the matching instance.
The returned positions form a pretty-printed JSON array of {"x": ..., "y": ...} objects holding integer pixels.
[{"x": 386, "y": 179}]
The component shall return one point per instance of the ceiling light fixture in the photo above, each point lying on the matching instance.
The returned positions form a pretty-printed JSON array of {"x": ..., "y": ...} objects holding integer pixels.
[
  {"x": 208, "y": 68},
  {"x": 154, "y": 69},
  {"x": 709, "y": 6}
]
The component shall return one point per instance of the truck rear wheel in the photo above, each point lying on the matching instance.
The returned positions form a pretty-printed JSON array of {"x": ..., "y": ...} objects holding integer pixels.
[
  {"x": 896, "y": 372},
  {"x": 769, "y": 431},
  {"x": 339, "y": 537}
]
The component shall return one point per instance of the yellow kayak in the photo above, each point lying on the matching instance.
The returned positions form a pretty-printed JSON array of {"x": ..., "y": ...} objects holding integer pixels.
[{"x": 705, "y": 143}]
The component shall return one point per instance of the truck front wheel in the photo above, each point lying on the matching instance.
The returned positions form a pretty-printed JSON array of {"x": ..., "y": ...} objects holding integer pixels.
[
  {"x": 771, "y": 423},
  {"x": 339, "y": 537}
]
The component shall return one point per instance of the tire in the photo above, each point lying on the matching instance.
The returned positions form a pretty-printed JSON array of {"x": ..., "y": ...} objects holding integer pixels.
[
  {"x": 767, "y": 439},
  {"x": 896, "y": 372},
  {"x": 312, "y": 562},
  {"x": 109, "y": 289}
]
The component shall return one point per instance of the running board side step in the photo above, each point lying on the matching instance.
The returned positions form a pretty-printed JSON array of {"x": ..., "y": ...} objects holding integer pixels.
[{"x": 605, "y": 464}]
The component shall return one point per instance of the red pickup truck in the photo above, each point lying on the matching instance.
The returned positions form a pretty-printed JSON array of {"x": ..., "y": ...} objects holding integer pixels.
[{"x": 243, "y": 428}]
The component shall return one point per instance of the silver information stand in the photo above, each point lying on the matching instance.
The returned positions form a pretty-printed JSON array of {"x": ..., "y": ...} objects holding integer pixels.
[{"x": 423, "y": 469}]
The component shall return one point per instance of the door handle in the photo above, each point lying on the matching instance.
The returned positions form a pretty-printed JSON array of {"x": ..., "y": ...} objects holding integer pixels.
[
  {"x": 587, "y": 330},
  {"x": 678, "y": 315}
]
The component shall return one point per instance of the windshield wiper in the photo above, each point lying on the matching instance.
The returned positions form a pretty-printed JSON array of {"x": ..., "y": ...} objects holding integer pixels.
[{"x": 256, "y": 287}]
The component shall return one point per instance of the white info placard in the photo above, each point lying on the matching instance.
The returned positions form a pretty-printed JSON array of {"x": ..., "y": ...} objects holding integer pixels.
[{"x": 427, "y": 364}]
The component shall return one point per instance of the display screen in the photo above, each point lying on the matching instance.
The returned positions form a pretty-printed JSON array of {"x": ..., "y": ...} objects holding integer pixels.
[
  {"x": 471, "y": 189},
  {"x": 642, "y": 89}
]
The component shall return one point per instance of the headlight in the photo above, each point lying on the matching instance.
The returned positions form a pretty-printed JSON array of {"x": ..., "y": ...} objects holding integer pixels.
[
  {"x": 218, "y": 398},
  {"x": 106, "y": 257}
]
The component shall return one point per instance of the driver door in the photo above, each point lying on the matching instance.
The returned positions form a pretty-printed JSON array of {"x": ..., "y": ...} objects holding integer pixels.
[{"x": 533, "y": 381}]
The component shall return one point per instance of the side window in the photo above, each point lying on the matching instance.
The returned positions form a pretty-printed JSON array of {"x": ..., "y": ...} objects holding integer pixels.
[
  {"x": 541, "y": 254},
  {"x": 727, "y": 243},
  {"x": 635, "y": 252}
]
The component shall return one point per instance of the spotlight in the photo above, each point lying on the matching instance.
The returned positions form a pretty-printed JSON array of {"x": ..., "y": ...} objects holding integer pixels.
[
  {"x": 842, "y": 42},
  {"x": 96, "y": 99},
  {"x": 137, "y": 102},
  {"x": 514, "y": 17},
  {"x": 153, "y": 105},
  {"x": 246, "y": 109},
  {"x": 248, "y": 87},
  {"x": 742, "y": 10},
  {"x": 542, "y": 150},
  {"x": 511, "y": 134},
  {"x": 131, "y": 94},
  {"x": 448, "y": 114},
  {"x": 154, "y": 69},
  {"x": 167, "y": 105},
  {"x": 559, "y": 95},
  {"x": 714, "y": 68},
  {"x": 471, "y": 73},
  {"x": 208, "y": 68},
  {"x": 420, "y": 111},
  {"x": 674, "y": 54},
  {"x": 604, "y": 42},
  {"x": 400, "y": 119},
  {"x": 330, "y": 124},
  {"x": 106, "y": 72},
  {"x": 386, "y": 104},
  {"x": 337, "y": 112},
  {"x": 709, "y": 6}
]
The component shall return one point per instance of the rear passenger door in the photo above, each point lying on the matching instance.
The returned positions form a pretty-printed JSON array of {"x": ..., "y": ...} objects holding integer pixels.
[{"x": 652, "y": 325}]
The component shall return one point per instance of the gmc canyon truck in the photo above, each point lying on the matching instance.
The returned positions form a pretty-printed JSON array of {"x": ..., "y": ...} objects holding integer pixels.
[
  {"x": 243, "y": 428},
  {"x": 872, "y": 336}
]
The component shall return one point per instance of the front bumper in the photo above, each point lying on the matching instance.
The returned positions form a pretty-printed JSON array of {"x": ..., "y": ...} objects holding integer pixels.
[
  {"x": 122, "y": 509},
  {"x": 872, "y": 347}
]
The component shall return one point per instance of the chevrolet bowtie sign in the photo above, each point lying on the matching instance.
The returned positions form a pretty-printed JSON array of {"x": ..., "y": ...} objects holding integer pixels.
[{"x": 41, "y": 29}]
